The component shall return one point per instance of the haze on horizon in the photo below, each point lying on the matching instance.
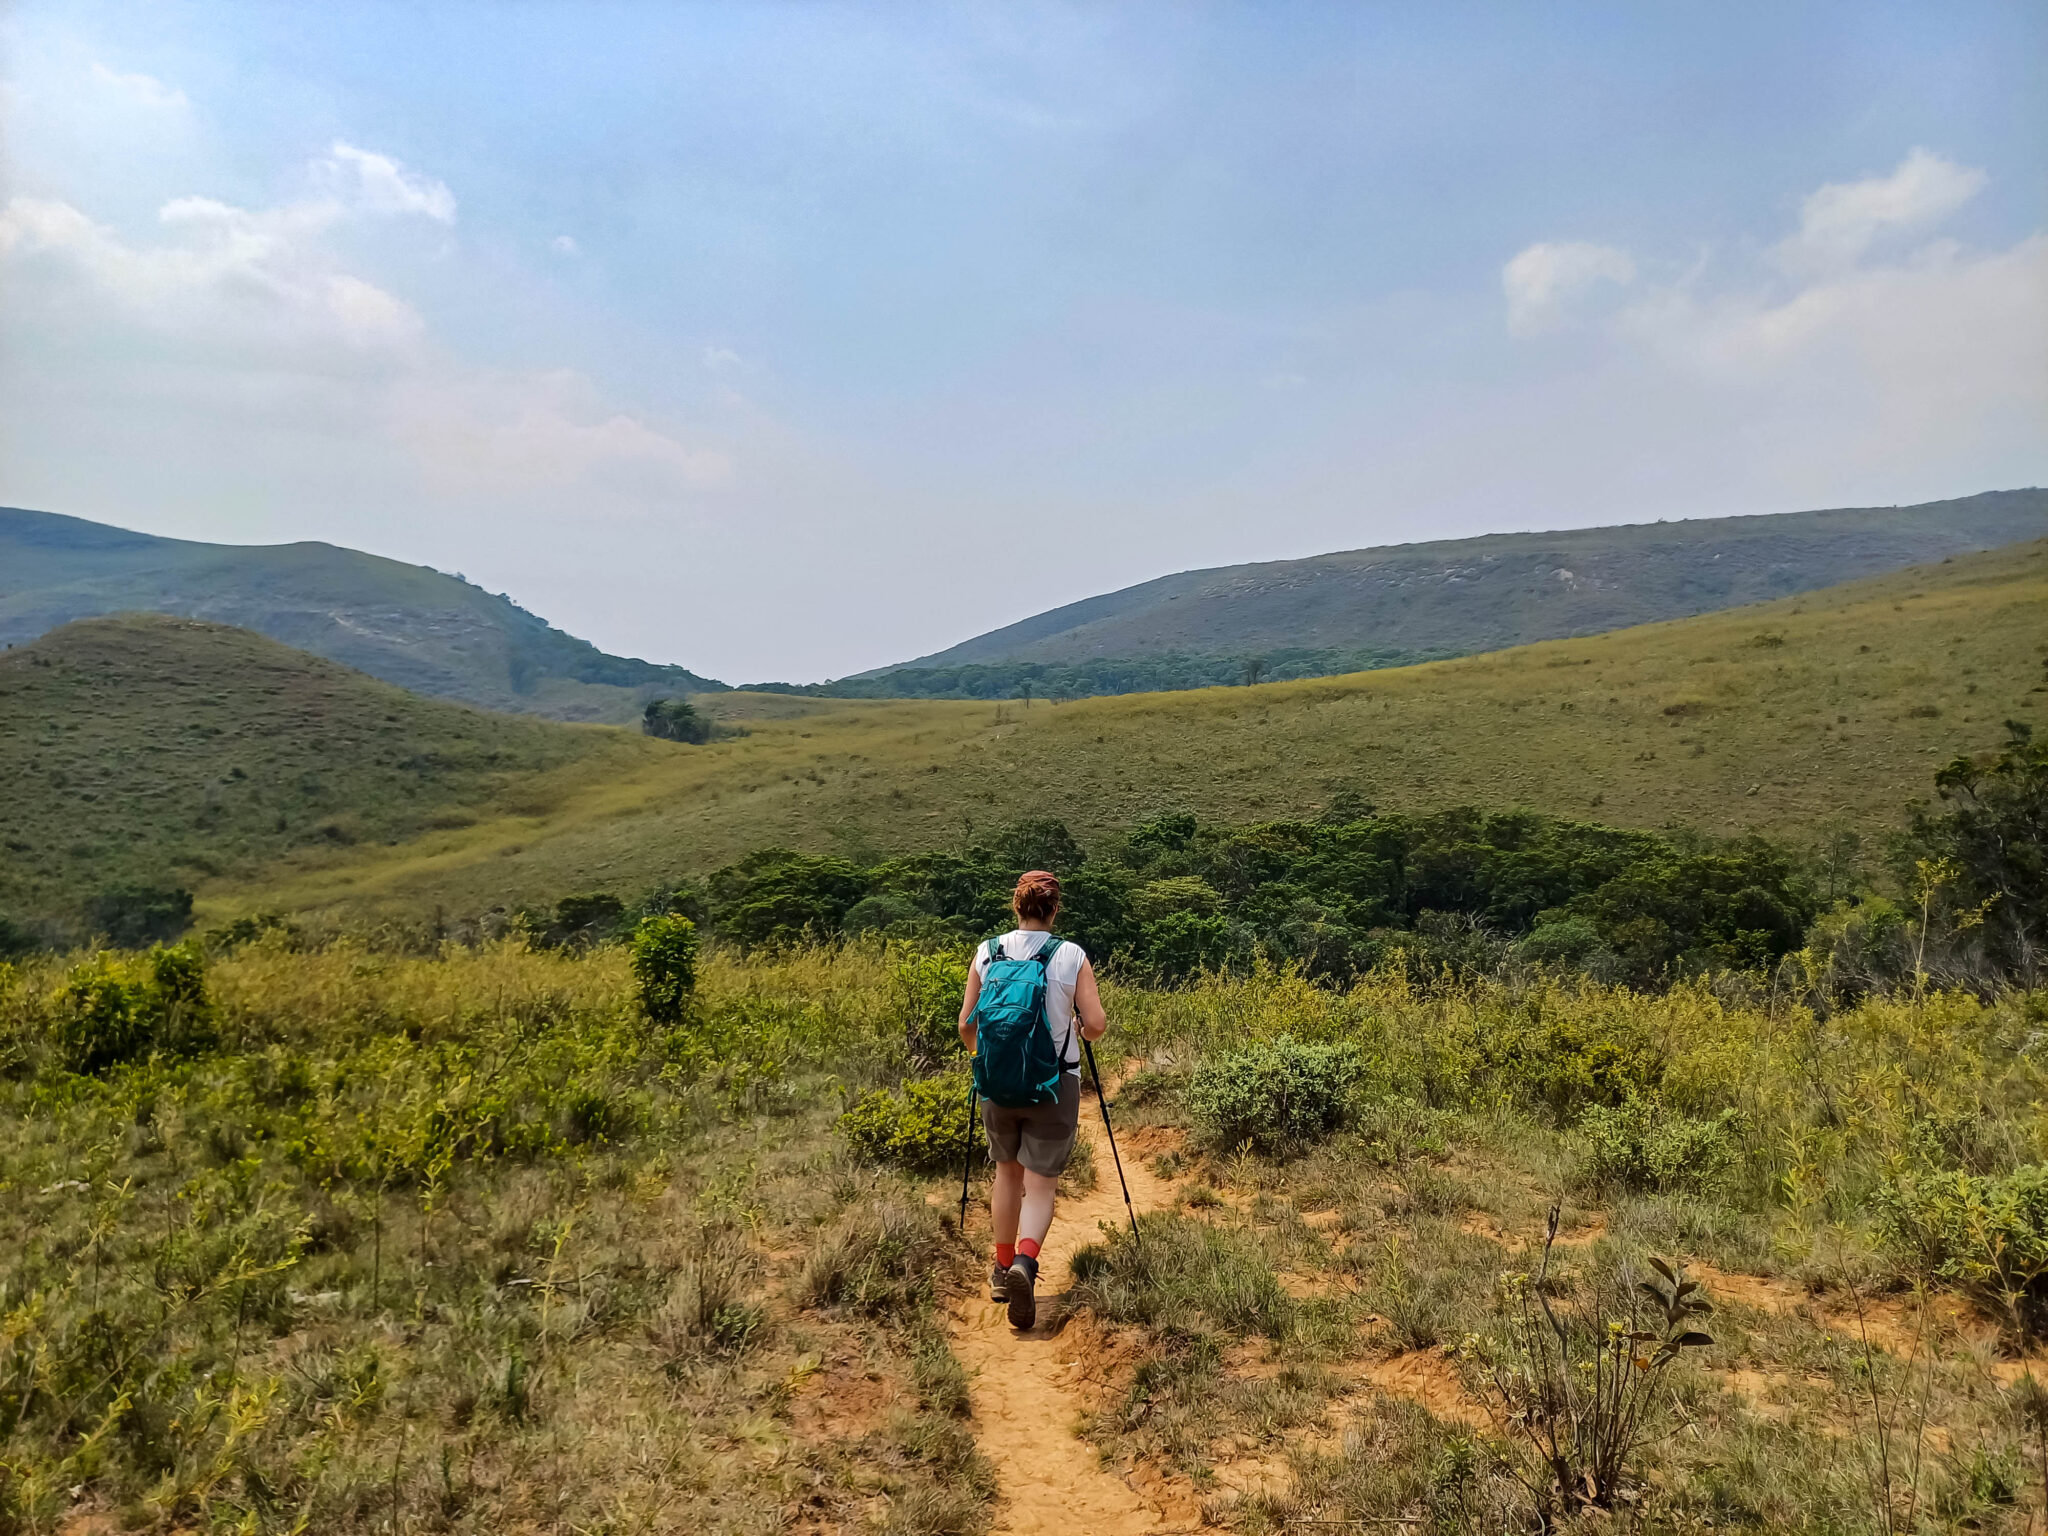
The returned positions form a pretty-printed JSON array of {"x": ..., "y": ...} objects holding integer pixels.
[{"x": 784, "y": 342}]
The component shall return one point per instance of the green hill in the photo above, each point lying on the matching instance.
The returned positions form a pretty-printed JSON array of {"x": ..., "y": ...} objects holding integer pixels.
[
  {"x": 171, "y": 752},
  {"x": 408, "y": 625},
  {"x": 1832, "y": 708},
  {"x": 1378, "y": 607}
]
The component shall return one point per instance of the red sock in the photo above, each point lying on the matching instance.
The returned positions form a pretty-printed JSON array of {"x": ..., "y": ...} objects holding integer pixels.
[
  {"x": 1006, "y": 1254},
  {"x": 1028, "y": 1246}
]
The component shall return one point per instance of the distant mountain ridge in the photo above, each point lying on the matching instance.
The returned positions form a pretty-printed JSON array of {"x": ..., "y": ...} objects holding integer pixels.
[
  {"x": 1462, "y": 596},
  {"x": 432, "y": 633}
]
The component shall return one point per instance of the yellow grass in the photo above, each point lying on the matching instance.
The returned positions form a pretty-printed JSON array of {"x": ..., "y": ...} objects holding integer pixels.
[{"x": 1778, "y": 718}]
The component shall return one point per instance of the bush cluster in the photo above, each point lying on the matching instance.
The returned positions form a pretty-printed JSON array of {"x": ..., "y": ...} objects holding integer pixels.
[
  {"x": 122, "y": 1008},
  {"x": 923, "y": 1128},
  {"x": 1985, "y": 1233},
  {"x": 1641, "y": 1145},
  {"x": 1279, "y": 1096}
]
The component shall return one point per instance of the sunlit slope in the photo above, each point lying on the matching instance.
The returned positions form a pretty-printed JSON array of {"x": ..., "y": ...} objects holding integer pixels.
[
  {"x": 169, "y": 751},
  {"x": 1777, "y": 717},
  {"x": 1459, "y": 596}
]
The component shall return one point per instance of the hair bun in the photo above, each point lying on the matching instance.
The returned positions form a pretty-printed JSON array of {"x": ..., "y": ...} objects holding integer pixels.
[{"x": 1037, "y": 895}]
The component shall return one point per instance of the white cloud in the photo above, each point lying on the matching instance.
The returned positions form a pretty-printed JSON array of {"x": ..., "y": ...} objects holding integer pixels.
[
  {"x": 565, "y": 245},
  {"x": 378, "y": 184},
  {"x": 144, "y": 90},
  {"x": 499, "y": 431},
  {"x": 1543, "y": 283},
  {"x": 256, "y": 283},
  {"x": 1943, "y": 346},
  {"x": 230, "y": 305},
  {"x": 1833, "y": 349},
  {"x": 1839, "y": 222},
  {"x": 721, "y": 359}
]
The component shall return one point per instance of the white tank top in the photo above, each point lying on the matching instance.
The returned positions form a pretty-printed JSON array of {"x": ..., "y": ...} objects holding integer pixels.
[{"x": 1062, "y": 974}]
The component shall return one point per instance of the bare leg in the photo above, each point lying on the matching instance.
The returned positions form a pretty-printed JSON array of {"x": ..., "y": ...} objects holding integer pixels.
[
  {"x": 1006, "y": 1195},
  {"x": 1035, "y": 1217}
]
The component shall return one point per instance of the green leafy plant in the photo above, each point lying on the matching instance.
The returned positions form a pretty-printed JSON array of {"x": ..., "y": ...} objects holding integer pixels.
[
  {"x": 665, "y": 965},
  {"x": 1279, "y": 1096},
  {"x": 925, "y": 1128},
  {"x": 1640, "y": 1145},
  {"x": 929, "y": 988},
  {"x": 1579, "y": 1378},
  {"x": 117, "y": 1008},
  {"x": 1986, "y": 1233}
]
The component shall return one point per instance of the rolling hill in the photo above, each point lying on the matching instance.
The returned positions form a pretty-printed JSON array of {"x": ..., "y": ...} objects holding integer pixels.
[
  {"x": 406, "y": 624},
  {"x": 1455, "y": 597},
  {"x": 168, "y": 751},
  {"x": 1829, "y": 709}
]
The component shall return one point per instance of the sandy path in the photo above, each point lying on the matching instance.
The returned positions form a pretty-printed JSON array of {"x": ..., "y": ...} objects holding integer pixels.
[{"x": 1028, "y": 1388}]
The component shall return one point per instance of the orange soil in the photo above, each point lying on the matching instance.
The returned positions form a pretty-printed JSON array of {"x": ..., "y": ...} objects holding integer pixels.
[{"x": 1029, "y": 1389}]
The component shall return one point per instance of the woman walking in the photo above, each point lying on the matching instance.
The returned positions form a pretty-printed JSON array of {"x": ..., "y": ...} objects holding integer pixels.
[{"x": 1028, "y": 1074}]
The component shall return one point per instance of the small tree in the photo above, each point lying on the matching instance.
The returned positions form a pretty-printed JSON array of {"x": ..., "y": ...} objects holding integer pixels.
[
  {"x": 665, "y": 965},
  {"x": 1990, "y": 846},
  {"x": 675, "y": 720},
  {"x": 1254, "y": 669}
]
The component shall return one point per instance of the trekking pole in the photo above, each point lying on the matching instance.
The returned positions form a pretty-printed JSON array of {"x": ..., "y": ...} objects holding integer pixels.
[
  {"x": 1096, "y": 1072},
  {"x": 967, "y": 1155}
]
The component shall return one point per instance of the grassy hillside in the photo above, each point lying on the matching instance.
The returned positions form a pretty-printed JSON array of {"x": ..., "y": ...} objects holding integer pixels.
[
  {"x": 1461, "y": 596},
  {"x": 1778, "y": 717},
  {"x": 163, "y": 750},
  {"x": 431, "y": 633}
]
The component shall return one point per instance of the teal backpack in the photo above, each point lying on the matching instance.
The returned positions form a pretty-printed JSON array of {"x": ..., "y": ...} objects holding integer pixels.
[{"x": 1016, "y": 1063}]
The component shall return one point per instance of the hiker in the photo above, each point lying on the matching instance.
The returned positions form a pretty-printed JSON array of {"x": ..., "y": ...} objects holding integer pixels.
[{"x": 1028, "y": 1075}]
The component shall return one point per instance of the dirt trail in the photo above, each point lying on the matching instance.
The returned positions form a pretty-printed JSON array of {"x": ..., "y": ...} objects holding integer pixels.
[{"x": 1029, "y": 1389}]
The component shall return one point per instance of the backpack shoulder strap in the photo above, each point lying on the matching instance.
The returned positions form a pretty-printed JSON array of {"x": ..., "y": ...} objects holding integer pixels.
[
  {"x": 995, "y": 949},
  {"x": 1044, "y": 955}
]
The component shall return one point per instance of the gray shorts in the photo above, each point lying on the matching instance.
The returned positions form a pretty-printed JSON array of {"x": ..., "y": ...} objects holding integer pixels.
[{"x": 1040, "y": 1136}]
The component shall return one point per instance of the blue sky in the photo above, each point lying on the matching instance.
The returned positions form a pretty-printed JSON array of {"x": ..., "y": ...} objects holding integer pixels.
[{"x": 785, "y": 340}]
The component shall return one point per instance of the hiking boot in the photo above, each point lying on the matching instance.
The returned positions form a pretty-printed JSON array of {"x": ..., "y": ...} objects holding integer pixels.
[
  {"x": 999, "y": 1284},
  {"x": 1019, "y": 1290}
]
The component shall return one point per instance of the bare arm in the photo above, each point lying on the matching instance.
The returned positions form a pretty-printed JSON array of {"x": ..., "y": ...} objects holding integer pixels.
[
  {"x": 967, "y": 1009},
  {"x": 1088, "y": 1003}
]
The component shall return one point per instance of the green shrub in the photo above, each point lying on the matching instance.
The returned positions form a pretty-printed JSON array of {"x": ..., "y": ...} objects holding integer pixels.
[
  {"x": 1184, "y": 944},
  {"x": 930, "y": 988},
  {"x": 1640, "y": 1145},
  {"x": 665, "y": 965},
  {"x": 1560, "y": 942},
  {"x": 924, "y": 1129},
  {"x": 130, "y": 916},
  {"x": 1984, "y": 1233},
  {"x": 1280, "y": 1095},
  {"x": 117, "y": 1009},
  {"x": 1397, "y": 1129},
  {"x": 880, "y": 913}
]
